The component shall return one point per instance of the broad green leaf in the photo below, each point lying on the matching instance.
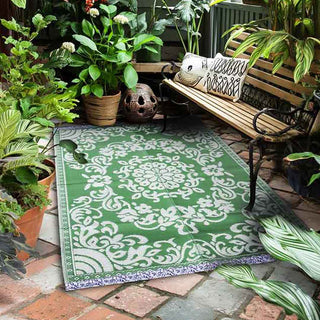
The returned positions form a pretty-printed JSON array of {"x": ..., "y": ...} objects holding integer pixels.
[
  {"x": 97, "y": 90},
  {"x": 314, "y": 177},
  {"x": 87, "y": 28},
  {"x": 85, "y": 90},
  {"x": 69, "y": 145},
  {"x": 285, "y": 294},
  {"x": 124, "y": 57},
  {"x": 94, "y": 72},
  {"x": 21, "y": 148},
  {"x": 85, "y": 41},
  {"x": 130, "y": 76},
  {"x": 20, "y": 3},
  {"x": 26, "y": 176},
  {"x": 109, "y": 10},
  {"x": 84, "y": 74},
  {"x": 80, "y": 157}
]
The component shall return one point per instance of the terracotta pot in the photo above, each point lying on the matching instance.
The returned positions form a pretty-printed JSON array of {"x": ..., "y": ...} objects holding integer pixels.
[
  {"x": 30, "y": 223},
  {"x": 102, "y": 111}
]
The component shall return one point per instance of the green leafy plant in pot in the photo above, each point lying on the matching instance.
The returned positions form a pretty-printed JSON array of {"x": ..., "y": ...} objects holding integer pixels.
[
  {"x": 187, "y": 16},
  {"x": 152, "y": 24},
  {"x": 104, "y": 62}
]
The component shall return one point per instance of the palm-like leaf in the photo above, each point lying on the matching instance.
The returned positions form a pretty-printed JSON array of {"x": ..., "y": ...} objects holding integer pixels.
[
  {"x": 25, "y": 161},
  {"x": 21, "y": 148},
  {"x": 27, "y": 128},
  {"x": 288, "y": 242},
  {"x": 285, "y": 294},
  {"x": 8, "y": 122}
]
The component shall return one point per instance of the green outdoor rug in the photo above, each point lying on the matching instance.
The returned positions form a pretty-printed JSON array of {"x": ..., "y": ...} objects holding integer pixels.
[{"x": 151, "y": 204}]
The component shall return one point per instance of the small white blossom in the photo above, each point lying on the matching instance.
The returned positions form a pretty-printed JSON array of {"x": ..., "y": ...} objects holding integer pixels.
[
  {"x": 94, "y": 12},
  {"x": 68, "y": 46},
  {"x": 121, "y": 19}
]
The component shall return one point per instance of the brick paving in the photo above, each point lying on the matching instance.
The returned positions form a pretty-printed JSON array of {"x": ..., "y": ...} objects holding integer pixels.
[{"x": 205, "y": 296}]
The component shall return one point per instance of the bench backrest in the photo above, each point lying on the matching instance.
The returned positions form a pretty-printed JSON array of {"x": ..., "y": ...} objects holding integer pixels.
[{"x": 275, "y": 91}]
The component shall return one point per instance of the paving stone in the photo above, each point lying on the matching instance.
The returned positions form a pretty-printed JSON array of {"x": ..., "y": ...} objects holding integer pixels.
[
  {"x": 292, "y": 317},
  {"x": 239, "y": 146},
  {"x": 179, "y": 285},
  {"x": 309, "y": 206},
  {"x": 37, "y": 266},
  {"x": 311, "y": 219},
  {"x": 45, "y": 248},
  {"x": 102, "y": 313},
  {"x": 13, "y": 292},
  {"x": 136, "y": 300},
  {"x": 266, "y": 174},
  {"x": 287, "y": 272},
  {"x": 97, "y": 293},
  {"x": 48, "y": 279},
  {"x": 261, "y": 270},
  {"x": 291, "y": 199},
  {"x": 49, "y": 230},
  {"x": 235, "y": 136},
  {"x": 266, "y": 164},
  {"x": 218, "y": 294},
  {"x": 258, "y": 309},
  {"x": 280, "y": 183},
  {"x": 56, "y": 306},
  {"x": 186, "y": 309}
]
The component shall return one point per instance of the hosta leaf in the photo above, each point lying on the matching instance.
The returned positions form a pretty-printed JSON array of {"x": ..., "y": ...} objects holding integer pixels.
[
  {"x": 26, "y": 176},
  {"x": 288, "y": 242},
  {"x": 285, "y": 294}
]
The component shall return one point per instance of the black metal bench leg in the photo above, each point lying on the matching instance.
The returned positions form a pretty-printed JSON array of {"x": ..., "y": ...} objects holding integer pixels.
[{"x": 254, "y": 170}]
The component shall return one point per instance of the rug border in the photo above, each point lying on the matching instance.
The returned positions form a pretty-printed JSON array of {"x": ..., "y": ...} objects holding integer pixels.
[{"x": 161, "y": 272}]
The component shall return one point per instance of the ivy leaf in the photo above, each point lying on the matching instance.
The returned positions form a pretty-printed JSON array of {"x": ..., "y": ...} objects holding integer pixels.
[{"x": 85, "y": 89}]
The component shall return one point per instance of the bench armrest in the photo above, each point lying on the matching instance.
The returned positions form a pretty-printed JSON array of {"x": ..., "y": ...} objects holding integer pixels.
[
  {"x": 281, "y": 132},
  {"x": 173, "y": 66}
]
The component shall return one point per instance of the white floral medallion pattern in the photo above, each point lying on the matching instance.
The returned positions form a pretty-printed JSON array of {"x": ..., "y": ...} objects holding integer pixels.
[{"x": 149, "y": 205}]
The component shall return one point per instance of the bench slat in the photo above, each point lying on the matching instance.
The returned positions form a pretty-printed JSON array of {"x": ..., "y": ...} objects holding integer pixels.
[{"x": 227, "y": 111}]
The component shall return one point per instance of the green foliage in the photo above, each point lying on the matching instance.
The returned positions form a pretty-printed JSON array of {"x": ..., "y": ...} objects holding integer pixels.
[
  {"x": 105, "y": 53},
  {"x": 32, "y": 87},
  {"x": 188, "y": 15},
  {"x": 285, "y": 294},
  {"x": 304, "y": 156},
  {"x": 10, "y": 243},
  {"x": 293, "y": 34},
  {"x": 288, "y": 242},
  {"x": 20, "y": 3}
]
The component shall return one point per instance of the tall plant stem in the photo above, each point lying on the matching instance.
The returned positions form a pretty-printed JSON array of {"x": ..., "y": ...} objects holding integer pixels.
[{"x": 176, "y": 26}]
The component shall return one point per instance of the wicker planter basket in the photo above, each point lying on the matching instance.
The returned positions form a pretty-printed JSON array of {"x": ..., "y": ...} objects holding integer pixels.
[{"x": 102, "y": 111}]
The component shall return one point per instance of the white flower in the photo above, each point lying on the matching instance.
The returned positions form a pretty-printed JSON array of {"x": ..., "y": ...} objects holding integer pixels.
[
  {"x": 121, "y": 19},
  {"x": 94, "y": 12},
  {"x": 69, "y": 46}
]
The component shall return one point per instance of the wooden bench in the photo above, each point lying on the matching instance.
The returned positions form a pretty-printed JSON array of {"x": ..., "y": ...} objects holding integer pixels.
[{"x": 272, "y": 109}]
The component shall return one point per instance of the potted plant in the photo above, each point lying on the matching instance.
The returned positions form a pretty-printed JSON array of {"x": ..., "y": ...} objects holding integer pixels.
[
  {"x": 104, "y": 62},
  {"x": 188, "y": 16},
  {"x": 294, "y": 33},
  {"x": 151, "y": 25}
]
